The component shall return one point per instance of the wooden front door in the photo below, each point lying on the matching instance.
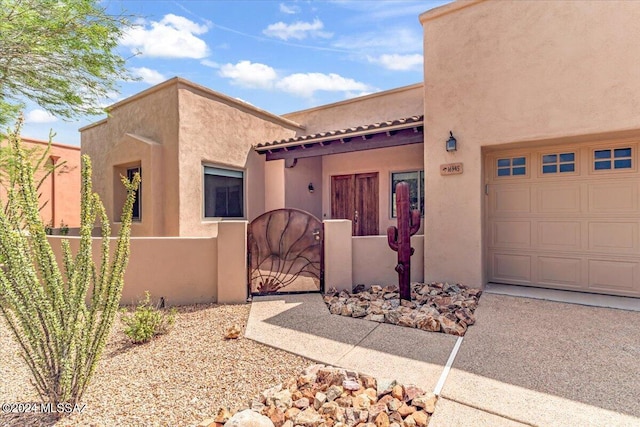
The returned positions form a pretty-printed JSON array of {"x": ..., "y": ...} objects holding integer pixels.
[{"x": 355, "y": 197}]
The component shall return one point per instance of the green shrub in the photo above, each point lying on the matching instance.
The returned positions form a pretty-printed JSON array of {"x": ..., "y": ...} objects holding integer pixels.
[{"x": 147, "y": 321}]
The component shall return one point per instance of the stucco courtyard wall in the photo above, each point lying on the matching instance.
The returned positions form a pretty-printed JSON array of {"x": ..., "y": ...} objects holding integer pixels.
[
  {"x": 368, "y": 260},
  {"x": 183, "y": 270},
  {"x": 520, "y": 72}
]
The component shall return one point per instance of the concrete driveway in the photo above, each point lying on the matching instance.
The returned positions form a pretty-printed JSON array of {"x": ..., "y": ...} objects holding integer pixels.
[
  {"x": 545, "y": 363},
  {"x": 524, "y": 362}
]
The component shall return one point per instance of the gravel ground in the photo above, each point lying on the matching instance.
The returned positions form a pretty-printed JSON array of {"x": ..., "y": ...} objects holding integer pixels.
[{"x": 179, "y": 379}]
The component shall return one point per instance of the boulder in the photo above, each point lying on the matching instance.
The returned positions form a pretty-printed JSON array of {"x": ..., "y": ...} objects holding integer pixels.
[{"x": 249, "y": 418}]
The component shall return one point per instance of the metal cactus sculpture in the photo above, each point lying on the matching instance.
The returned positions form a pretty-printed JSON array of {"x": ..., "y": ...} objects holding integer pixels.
[{"x": 400, "y": 238}]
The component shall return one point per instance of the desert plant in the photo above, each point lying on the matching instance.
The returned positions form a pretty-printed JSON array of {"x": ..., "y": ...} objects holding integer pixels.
[
  {"x": 48, "y": 228},
  {"x": 64, "y": 228},
  {"x": 147, "y": 321},
  {"x": 61, "y": 330}
]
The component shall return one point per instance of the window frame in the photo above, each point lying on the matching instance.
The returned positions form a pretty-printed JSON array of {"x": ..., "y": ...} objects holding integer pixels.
[
  {"x": 612, "y": 148},
  {"x": 527, "y": 166},
  {"x": 420, "y": 173},
  {"x": 559, "y": 163},
  {"x": 134, "y": 169},
  {"x": 244, "y": 191}
]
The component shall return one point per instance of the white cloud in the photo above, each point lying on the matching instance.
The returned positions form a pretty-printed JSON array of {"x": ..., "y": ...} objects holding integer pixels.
[
  {"x": 148, "y": 75},
  {"x": 400, "y": 40},
  {"x": 289, "y": 9},
  {"x": 209, "y": 63},
  {"x": 299, "y": 30},
  {"x": 249, "y": 74},
  {"x": 172, "y": 37},
  {"x": 39, "y": 116},
  {"x": 398, "y": 62},
  {"x": 306, "y": 84}
]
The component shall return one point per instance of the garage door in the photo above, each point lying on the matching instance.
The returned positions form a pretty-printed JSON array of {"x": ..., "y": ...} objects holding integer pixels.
[{"x": 565, "y": 217}]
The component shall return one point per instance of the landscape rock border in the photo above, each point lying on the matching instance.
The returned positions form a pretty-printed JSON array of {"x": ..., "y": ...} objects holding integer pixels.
[
  {"x": 434, "y": 307},
  {"x": 325, "y": 396}
]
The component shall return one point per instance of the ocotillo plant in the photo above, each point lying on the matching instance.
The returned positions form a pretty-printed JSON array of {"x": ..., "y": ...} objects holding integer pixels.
[
  {"x": 59, "y": 315},
  {"x": 400, "y": 238}
]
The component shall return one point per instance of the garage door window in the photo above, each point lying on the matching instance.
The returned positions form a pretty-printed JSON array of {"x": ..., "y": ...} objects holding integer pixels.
[
  {"x": 618, "y": 158},
  {"x": 558, "y": 163},
  {"x": 512, "y": 166}
]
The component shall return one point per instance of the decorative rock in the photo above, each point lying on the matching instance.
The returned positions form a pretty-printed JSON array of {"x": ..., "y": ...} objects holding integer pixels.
[
  {"x": 394, "y": 404},
  {"x": 428, "y": 323},
  {"x": 249, "y": 418},
  {"x": 276, "y": 415},
  {"x": 331, "y": 410},
  {"x": 397, "y": 392},
  {"x": 334, "y": 392},
  {"x": 320, "y": 398},
  {"x": 207, "y": 423},
  {"x": 382, "y": 420},
  {"x": 411, "y": 392},
  {"x": 376, "y": 409},
  {"x": 420, "y": 418},
  {"x": 302, "y": 403},
  {"x": 409, "y": 422},
  {"x": 361, "y": 401},
  {"x": 308, "y": 418},
  {"x": 351, "y": 384},
  {"x": 406, "y": 410},
  {"x": 430, "y": 302},
  {"x": 288, "y": 423},
  {"x": 223, "y": 415},
  {"x": 233, "y": 332},
  {"x": 426, "y": 402},
  {"x": 291, "y": 413}
]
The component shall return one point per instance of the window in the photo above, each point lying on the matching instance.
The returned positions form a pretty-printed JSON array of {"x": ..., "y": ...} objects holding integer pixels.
[
  {"x": 618, "y": 158},
  {"x": 415, "y": 179},
  {"x": 136, "y": 214},
  {"x": 514, "y": 166},
  {"x": 558, "y": 163},
  {"x": 223, "y": 193}
]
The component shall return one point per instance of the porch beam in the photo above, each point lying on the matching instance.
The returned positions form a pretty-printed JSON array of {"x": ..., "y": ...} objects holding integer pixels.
[{"x": 378, "y": 140}]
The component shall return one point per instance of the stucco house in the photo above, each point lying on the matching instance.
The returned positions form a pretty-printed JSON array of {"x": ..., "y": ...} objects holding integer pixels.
[
  {"x": 542, "y": 187},
  {"x": 59, "y": 193}
]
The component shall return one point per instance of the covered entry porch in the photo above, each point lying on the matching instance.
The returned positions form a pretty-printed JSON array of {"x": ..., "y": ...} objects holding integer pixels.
[{"x": 348, "y": 173}]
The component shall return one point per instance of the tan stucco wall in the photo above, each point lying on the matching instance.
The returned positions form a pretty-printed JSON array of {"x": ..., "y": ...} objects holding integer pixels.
[
  {"x": 274, "y": 185},
  {"x": 374, "y": 262},
  {"x": 338, "y": 255},
  {"x": 220, "y": 132},
  {"x": 182, "y": 270},
  {"x": 384, "y": 161},
  {"x": 60, "y": 191},
  {"x": 141, "y": 130},
  {"x": 520, "y": 71},
  {"x": 392, "y": 104},
  {"x": 232, "y": 262},
  {"x": 297, "y": 180}
]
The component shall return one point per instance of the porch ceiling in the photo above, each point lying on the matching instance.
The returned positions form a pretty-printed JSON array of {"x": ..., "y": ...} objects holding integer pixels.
[{"x": 377, "y": 135}]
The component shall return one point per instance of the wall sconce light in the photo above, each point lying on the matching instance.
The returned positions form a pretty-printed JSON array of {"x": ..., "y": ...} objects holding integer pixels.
[
  {"x": 452, "y": 144},
  {"x": 310, "y": 187}
]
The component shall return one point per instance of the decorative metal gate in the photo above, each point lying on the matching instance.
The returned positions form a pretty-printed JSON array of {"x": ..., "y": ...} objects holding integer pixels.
[{"x": 285, "y": 253}]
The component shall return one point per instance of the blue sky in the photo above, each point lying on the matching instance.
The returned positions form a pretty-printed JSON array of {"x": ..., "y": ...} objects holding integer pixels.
[{"x": 280, "y": 56}]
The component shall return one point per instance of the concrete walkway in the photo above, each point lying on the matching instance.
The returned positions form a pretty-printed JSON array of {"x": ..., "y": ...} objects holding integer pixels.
[{"x": 525, "y": 361}]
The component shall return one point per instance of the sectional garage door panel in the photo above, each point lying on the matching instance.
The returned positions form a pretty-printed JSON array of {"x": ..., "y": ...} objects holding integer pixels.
[{"x": 565, "y": 217}]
